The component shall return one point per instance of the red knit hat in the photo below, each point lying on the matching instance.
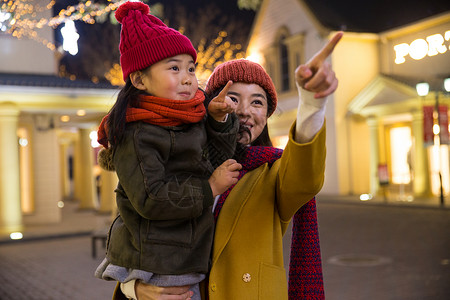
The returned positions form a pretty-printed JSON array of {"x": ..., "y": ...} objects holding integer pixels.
[
  {"x": 246, "y": 71},
  {"x": 145, "y": 39}
]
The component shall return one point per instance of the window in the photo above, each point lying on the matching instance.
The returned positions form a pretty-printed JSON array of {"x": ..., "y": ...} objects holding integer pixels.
[
  {"x": 401, "y": 142},
  {"x": 284, "y": 63}
]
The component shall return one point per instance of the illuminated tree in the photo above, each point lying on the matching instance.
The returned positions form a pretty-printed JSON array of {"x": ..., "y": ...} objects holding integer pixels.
[
  {"x": 218, "y": 35},
  {"x": 249, "y": 4}
]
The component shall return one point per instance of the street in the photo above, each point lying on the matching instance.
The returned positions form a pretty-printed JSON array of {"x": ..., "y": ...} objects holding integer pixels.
[
  {"x": 412, "y": 246},
  {"x": 370, "y": 252}
]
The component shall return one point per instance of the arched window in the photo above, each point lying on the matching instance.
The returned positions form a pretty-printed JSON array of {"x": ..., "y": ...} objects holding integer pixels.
[{"x": 284, "y": 63}]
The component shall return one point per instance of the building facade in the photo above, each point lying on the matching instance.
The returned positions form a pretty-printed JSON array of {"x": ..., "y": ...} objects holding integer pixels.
[
  {"x": 377, "y": 124},
  {"x": 380, "y": 136},
  {"x": 46, "y": 155}
]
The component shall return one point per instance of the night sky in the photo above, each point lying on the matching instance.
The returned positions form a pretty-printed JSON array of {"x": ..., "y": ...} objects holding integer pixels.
[
  {"x": 97, "y": 41},
  {"x": 374, "y": 15}
]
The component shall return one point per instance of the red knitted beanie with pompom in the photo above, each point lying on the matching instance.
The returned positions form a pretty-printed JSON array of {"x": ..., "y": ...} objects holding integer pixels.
[
  {"x": 145, "y": 39},
  {"x": 245, "y": 71}
]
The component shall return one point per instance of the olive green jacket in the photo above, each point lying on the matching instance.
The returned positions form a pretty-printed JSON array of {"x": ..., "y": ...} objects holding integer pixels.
[{"x": 165, "y": 224}]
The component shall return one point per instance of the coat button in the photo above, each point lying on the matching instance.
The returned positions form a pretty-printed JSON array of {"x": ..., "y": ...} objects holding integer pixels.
[
  {"x": 246, "y": 277},
  {"x": 213, "y": 287}
]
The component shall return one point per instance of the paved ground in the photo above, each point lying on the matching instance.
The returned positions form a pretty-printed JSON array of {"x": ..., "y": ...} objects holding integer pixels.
[
  {"x": 370, "y": 252},
  {"x": 51, "y": 270},
  {"x": 389, "y": 253}
]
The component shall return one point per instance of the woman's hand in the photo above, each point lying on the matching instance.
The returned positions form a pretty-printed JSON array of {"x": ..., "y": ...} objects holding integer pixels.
[
  {"x": 222, "y": 105},
  {"x": 151, "y": 292},
  {"x": 316, "y": 75}
]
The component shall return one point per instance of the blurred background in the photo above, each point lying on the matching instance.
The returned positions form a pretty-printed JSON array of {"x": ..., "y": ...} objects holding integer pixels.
[{"x": 387, "y": 124}]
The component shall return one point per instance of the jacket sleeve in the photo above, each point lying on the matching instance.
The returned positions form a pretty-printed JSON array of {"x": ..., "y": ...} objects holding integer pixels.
[
  {"x": 222, "y": 139},
  {"x": 140, "y": 165},
  {"x": 301, "y": 173}
]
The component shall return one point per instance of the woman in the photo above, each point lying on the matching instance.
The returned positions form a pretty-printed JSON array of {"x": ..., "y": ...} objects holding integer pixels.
[{"x": 253, "y": 215}]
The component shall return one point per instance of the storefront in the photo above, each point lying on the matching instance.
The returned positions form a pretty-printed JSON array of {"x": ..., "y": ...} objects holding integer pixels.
[
  {"x": 381, "y": 135},
  {"x": 408, "y": 128}
]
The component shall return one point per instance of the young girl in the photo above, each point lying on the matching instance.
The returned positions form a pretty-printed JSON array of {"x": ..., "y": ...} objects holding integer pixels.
[{"x": 163, "y": 150}]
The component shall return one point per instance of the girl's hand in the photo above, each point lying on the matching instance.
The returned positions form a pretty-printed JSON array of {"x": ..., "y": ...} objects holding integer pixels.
[
  {"x": 151, "y": 292},
  {"x": 222, "y": 105},
  {"x": 316, "y": 75},
  {"x": 224, "y": 176}
]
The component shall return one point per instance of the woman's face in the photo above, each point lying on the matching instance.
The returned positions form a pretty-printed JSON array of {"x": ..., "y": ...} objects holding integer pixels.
[{"x": 251, "y": 108}]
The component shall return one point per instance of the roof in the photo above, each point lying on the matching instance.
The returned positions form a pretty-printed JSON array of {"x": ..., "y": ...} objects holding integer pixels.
[
  {"x": 50, "y": 81},
  {"x": 374, "y": 16}
]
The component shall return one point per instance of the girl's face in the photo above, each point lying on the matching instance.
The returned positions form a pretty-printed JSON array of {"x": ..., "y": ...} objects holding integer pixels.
[
  {"x": 171, "y": 78},
  {"x": 251, "y": 108}
]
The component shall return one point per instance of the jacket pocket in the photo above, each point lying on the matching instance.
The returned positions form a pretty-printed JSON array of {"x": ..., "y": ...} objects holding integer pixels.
[
  {"x": 171, "y": 232},
  {"x": 272, "y": 282}
]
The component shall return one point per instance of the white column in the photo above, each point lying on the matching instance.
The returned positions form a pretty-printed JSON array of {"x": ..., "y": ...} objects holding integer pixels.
[
  {"x": 65, "y": 181},
  {"x": 108, "y": 183},
  {"x": 85, "y": 189},
  {"x": 47, "y": 172},
  {"x": 373, "y": 135},
  {"x": 10, "y": 212}
]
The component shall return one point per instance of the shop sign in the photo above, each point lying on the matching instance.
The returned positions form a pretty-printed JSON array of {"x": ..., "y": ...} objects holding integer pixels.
[
  {"x": 428, "y": 136},
  {"x": 443, "y": 124},
  {"x": 432, "y": 45}
]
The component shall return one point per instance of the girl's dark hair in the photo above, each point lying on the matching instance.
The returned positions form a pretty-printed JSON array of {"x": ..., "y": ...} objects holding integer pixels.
[
  {"x": 128, "y": 96},
  {"x": 262, "y": 140}
]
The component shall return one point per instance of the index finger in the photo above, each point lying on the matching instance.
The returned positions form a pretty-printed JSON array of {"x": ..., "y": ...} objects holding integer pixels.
[
  {"x": 327, "y": 49},
  {"x": 224, "y": 91}
]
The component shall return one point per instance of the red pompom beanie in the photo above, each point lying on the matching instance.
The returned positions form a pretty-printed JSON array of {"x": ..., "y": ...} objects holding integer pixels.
[
  {"x": 145, "y": 39},
  {"x": 242, "y": 70}
]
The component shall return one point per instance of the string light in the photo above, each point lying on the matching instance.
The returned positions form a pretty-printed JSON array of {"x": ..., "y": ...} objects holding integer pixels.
[
  {"x": 19, "y": 18},
  {"x": 213, "y": 55}
]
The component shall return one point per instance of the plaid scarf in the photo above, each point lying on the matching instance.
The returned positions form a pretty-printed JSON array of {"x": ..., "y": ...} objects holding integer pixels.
[
  {"x": 254, "y": 157},
  {"x": 305, "y": 266}
]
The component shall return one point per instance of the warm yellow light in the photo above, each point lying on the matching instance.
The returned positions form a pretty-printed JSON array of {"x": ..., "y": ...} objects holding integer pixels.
[
  {"x": 65, "y": 119},
  {"x": 81, "y": 113},
  {"x": 436, "y": 129},
  {"x": 16, "y": 235},
  {"x": 418, "y": 49},
  {"x": 365, "y": 197},
  {"x": 432, "y": 45},
  {"x": 93, "y": 137},
  {"x": 280, "y": 141},
  {"x": 23, "y": 142},
  {"x": 255, "y": 57},
  {"x": 401, "y": 141},
  {"x": 447, "y": 84},
  {"x": 422, "y": 88},
  {"x": 401, "y": 50},
  {"x": 436, "y": 44}
]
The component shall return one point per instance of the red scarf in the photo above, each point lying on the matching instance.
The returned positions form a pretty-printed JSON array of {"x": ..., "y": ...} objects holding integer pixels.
[{"x": 160, "y": 111}]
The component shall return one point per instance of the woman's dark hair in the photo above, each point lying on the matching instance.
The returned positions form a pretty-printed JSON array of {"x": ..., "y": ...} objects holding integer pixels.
[
  {"x": 262, "y": 140},
  {"x": 128, "y": 96}
]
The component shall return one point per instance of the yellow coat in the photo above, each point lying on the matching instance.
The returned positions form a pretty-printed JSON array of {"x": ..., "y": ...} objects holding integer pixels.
[{"x": 247, "y": 258}]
